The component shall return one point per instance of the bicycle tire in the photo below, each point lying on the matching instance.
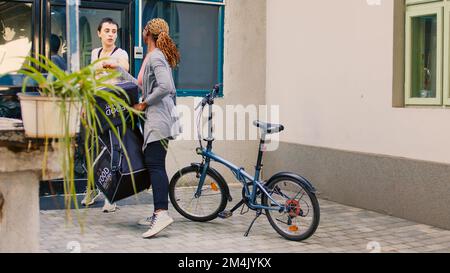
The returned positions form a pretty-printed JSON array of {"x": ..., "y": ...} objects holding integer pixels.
[
  {"x": 315, "y": 205},
  {"x": 222, "y": 186}
]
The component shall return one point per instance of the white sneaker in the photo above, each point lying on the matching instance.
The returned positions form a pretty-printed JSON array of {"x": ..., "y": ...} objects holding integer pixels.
[
  {"x": 92, "y": 198},
  {"x": 108, "y": 207},
  {"x": 146, "y": 221},
  {"x": 159, "y": 221}
]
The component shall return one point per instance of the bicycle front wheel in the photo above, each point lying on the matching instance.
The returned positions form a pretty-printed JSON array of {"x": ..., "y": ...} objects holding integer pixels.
[
  {"x": 297, "y": 213},
  {"x": 200, "y": 208}
]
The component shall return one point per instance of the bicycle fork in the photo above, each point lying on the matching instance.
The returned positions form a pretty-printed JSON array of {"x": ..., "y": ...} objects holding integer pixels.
[{"x": 201, "y": 182}]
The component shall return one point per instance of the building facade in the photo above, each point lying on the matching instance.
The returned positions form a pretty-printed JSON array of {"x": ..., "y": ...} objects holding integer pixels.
[
  {"x": 362, "y": 86},
  {"x": 368, "y": 82},
  {"x": 219, "y": 41}
]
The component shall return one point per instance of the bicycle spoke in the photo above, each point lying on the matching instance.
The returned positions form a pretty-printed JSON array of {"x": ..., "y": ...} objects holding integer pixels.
[
  {"x": 303, "y": 194},
  {"x": 307, "y": 205},
  {"x": 196, "y": 204},
  {"x": 281, "y": 221},
  {"x": 282, "y": 194},
  {"x": 190, "y": 203},
  {"x": 212, "y": 194},
  {"x": 203, "y": 205}
]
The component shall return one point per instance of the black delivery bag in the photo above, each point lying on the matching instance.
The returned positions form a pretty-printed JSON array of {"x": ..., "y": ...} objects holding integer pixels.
[
  {"x": 132, "y": 91},
  {"x": 112, "y": 173}
]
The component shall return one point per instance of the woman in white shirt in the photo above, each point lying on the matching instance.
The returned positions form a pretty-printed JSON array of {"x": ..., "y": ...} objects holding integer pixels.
[{"x": 107, "y": 32}]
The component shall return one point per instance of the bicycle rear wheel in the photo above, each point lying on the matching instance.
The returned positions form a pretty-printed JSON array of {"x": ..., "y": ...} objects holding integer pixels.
[
  {"x": 302, "y": 215},
  {"x": 206, "y": 207}
]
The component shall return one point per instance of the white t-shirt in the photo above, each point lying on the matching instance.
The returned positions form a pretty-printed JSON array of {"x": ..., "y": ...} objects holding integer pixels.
[{"x": 117, "y": 55}]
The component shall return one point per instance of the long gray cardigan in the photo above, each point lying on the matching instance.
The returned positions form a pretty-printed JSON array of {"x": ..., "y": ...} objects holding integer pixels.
[{"x": 159, "y": 92}]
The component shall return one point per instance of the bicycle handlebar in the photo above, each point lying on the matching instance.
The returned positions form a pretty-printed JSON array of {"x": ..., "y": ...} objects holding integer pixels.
[
  {"x": 216, "y": 90},
  {"x": 209, "y": 98}
]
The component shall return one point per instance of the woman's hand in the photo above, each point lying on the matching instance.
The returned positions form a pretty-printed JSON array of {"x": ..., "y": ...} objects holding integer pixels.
[
  {"x": 140, "y": 106},
  {"x": 110, "y": 65}
]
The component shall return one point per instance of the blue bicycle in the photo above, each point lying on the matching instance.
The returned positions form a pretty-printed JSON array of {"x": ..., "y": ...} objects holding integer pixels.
[{"x": 200, "y": 193}]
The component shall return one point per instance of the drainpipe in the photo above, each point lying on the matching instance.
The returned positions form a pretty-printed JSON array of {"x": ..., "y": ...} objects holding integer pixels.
[
  {"x": 73, "y": 48},
  {"x": 140, "y": 23},
  {"x": 138, "y": 50},
  {"x": 2, "y": 201}
]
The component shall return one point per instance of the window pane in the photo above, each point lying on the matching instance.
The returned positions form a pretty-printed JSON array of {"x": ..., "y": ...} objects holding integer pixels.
[
  {"x": 89, "y": 20},
  {"x": 194, "y": 29},
  {"x": 424, "y": 50},
  {"x": 15, "y": 35}
]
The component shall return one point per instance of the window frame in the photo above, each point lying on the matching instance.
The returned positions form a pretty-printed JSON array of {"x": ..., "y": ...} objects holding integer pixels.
[
  {"x": 446, "y": 70},
  {"x": 122, "y": 6},
  {"x": 432, "y": 8},
  {"x": 220, "y": 44},
  {"x": 41, "y": 27}
]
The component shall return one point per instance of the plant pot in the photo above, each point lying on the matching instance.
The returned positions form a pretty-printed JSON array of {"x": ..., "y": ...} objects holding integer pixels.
[{"x": 43, "y": 117}]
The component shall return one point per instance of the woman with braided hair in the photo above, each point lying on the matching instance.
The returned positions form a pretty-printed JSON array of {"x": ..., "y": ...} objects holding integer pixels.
[{"x": 161, "y": 118}]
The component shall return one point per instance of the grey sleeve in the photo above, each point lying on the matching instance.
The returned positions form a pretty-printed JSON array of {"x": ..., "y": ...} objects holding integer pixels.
[
  {"x": 127, "y": 76},
  {"x": 163, "y": 78}
]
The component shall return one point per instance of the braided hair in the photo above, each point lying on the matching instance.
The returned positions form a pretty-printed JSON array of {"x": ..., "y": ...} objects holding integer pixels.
[{"x": 159, "y": 31}]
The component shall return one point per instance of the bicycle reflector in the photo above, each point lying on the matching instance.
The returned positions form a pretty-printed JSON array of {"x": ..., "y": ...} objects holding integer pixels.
[
  {"x": 214, "y": 187},
  {"x": 293, "y": 228}
]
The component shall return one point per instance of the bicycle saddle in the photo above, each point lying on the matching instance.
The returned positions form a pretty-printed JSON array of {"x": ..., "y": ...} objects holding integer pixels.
[{"x": 268, "y": 128}]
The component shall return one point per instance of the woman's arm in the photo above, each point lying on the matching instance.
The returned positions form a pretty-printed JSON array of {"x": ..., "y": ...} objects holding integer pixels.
[
  {"x": 163, "y": 78},
  {"x": 124, "y": 63},
  {"x": 127, "y": 75},
  {"x": 124, "y": 60},
  {"x": 141, "y": 72}
]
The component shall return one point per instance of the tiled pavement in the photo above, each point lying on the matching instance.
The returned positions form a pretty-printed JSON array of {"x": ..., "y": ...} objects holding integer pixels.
[{"x": 342, "y": 229}]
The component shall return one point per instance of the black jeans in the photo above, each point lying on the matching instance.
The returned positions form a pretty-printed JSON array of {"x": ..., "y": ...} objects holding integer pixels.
[{"x": 155, "y": 162}]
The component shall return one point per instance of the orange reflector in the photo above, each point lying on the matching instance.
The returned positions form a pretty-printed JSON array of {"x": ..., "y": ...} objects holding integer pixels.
[
  {"x": 293, "y": 228},
  {"x": 214, "y": 187}
]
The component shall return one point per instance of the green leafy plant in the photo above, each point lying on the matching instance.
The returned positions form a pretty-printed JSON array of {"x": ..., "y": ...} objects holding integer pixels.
[{"x": 83, "y": 88}]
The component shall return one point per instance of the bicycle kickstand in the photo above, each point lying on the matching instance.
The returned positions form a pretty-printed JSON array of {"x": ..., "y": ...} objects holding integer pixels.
[{"x": 258, "y": 213}]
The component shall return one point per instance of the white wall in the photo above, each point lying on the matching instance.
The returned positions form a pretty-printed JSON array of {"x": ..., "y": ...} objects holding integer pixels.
[
  {"x": 244, "y": 83},
  {"x": 329, "y": 67}
]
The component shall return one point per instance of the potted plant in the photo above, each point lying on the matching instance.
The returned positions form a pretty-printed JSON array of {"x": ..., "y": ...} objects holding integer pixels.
[{"x": 63, "y": 102}]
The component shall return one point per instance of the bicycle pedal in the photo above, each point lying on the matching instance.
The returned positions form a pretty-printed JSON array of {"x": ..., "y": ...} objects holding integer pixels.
[
  {"x": 244, "y": 210},
  {"x": 225, "y": 214}
]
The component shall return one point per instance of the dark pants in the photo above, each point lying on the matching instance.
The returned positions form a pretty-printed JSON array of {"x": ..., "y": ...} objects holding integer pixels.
[{"x": 155, "y": 162}]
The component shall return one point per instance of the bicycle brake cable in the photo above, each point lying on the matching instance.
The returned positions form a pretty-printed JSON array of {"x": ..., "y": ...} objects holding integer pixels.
[{"x": 199, "y": 134}]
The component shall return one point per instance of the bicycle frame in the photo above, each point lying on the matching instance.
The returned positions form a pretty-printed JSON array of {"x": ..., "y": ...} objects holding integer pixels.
[
  {"x": 242, "y": 176},
  {"x": 239, "y": 173}
]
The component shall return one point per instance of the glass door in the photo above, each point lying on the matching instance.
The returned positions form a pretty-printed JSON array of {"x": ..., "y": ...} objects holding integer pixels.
[{"x": 91, "y": 13}]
